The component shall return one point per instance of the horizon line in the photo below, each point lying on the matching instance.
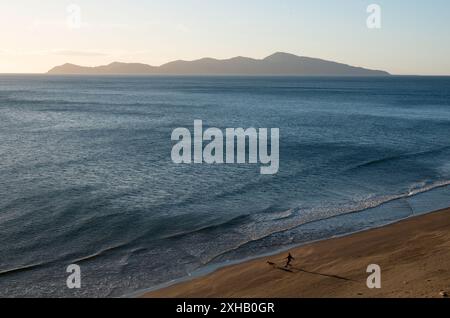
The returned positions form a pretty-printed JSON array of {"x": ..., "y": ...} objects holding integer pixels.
[
  {"x": 218, "y": 75},
  {"x": 223, "y": 75}
]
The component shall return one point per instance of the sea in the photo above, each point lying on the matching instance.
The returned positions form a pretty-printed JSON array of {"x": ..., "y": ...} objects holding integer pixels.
[{"x": 86, "y": 175}]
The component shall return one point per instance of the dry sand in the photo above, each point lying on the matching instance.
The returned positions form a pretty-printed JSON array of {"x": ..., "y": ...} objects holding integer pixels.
[{"x": 414, "y": 256}]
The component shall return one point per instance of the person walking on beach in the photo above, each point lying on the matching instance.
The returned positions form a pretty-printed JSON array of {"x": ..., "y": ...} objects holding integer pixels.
[{"x": 290, "y": 258}]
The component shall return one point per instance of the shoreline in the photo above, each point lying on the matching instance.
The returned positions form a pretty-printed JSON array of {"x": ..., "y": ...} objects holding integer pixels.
[
  {"x": 212, "y": 268},
  {"x": 433, "y": 205},
  {"x": 415, "y": 238}
]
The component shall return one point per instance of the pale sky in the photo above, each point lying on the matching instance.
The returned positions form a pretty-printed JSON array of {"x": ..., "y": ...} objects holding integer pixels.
[{"x": 36, "y": 35}]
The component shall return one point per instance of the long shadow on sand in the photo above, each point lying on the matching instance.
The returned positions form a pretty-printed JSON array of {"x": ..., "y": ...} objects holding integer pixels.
[{"x": 294, "y": 270}]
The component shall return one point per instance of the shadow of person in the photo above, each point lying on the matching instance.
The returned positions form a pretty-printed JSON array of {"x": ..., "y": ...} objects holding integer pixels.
[
  {"x": 294, "y": 270},
  {"x": 322, "y": 274}
]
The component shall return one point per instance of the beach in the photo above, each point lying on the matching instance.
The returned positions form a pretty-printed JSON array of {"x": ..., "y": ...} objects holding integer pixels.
[
  {"x": 413, "y": 254},
  {"x": 92, "y": 181}
]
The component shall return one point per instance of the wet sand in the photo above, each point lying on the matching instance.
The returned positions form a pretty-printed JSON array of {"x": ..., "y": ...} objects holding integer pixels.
[{"x": 414, "y": 256}]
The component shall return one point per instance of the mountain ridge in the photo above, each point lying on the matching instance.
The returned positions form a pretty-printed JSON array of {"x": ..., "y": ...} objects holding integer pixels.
[{"x": 279, "y": 63}]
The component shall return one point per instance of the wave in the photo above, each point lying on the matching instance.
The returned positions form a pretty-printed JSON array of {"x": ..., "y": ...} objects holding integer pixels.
[
  {"x": 402, "y": 156},
  {"x": 69, "y": 258},
  {"x": 22, "y": 269},
  {"x": 297, "y": 217}
]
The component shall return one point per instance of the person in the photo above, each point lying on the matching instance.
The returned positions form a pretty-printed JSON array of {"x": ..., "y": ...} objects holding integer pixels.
[{"x": 290, "y": 258}]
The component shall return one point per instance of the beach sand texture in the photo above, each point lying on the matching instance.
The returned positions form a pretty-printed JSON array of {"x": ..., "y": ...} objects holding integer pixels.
[{"x": 414, "y": 256}]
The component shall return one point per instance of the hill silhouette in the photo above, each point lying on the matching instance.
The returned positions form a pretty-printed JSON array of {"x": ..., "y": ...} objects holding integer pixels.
[{"x": 276, "y": 64}]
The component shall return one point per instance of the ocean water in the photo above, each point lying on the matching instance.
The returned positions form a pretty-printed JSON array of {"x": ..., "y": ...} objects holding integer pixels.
[{"x": 86, "y": 175}]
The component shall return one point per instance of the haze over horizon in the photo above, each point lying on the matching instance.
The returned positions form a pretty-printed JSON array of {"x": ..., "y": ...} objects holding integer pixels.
[
  {"x": 38, "y": 36},
  {"x": 279, "y": 63}
]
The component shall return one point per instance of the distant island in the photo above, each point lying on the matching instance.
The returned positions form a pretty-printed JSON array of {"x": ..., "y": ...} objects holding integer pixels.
[{"x": 275, "y": 64}]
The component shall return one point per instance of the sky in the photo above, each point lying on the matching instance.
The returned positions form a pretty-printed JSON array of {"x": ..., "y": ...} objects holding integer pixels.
[{"x": 414, "y": 37}]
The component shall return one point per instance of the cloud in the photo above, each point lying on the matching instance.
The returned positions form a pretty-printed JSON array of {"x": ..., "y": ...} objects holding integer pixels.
[
  {"x": 78, "y": 53},
  {"x": 182, "y": 28},
  {"x": 58, "y": 52}
]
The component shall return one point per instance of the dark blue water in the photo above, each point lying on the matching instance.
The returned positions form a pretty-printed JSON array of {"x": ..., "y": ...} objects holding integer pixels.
[{"x": 86, "y": 175}]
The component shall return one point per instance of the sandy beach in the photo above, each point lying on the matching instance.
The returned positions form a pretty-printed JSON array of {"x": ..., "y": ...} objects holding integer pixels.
[{"x": 414, "y": 256}]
